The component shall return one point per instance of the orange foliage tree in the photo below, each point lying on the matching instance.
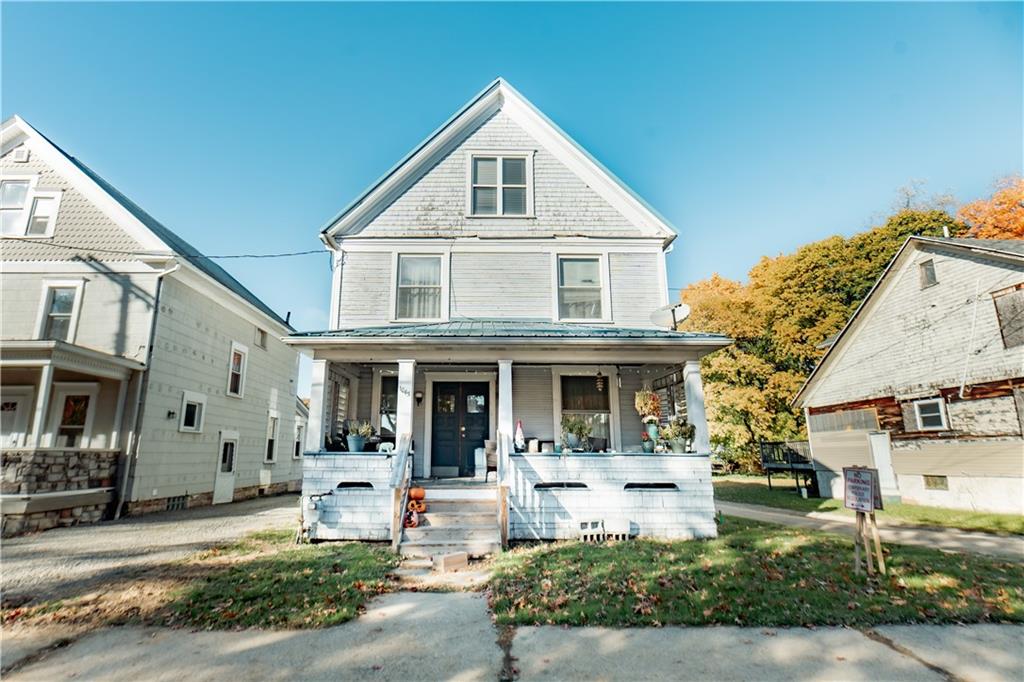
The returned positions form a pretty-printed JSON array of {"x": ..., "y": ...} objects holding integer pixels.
[{"x": 1001, "y": 216}]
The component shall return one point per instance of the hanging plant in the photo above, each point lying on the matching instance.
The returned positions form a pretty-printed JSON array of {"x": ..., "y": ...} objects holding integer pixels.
[{"x": 647, "y": 403}]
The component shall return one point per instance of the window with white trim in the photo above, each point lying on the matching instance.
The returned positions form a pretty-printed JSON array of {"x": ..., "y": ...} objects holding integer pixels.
[
  {"x": 273, "y": 424},
  {"x": 193, "y": 412},
  {"x": 927, "y": 272},
  {"x": 237, "y": 363},
  {"x": 26, "y": 211},
  {"x": 60, "y": 308},
  {"x": 418, "y": 295},
  {"x": 580, "y": 290},
  {"x": 261, "y": 338},
  {"x": 500, "y": 185},
  {"x": 588, "y": 398},
  {"x": 299, "y": 433},
  {"x": 931, "y": 414},
  {"x": 1009, "y": 304},
  {"x": 14, "y": 195}
]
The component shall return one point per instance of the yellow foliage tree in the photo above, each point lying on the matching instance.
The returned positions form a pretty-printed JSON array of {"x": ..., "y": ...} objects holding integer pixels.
[{"x": 1001, "y": 216}]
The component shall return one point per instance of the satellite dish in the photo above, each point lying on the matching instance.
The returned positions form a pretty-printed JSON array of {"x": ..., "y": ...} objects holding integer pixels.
[{"x": 670, "y": 315}]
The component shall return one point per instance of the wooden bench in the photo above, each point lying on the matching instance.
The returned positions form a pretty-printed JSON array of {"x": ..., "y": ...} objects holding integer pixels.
[{"x": 793, "y": 457}]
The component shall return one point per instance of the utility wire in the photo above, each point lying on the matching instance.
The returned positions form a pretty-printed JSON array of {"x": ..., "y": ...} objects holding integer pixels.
[{"x": 120, "y": 252}]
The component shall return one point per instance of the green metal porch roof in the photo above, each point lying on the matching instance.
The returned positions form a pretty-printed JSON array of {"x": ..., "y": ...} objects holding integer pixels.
[{"x": 509, "y": 329}]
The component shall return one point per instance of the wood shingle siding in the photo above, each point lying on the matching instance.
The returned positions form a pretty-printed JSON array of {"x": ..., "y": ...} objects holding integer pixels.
[
  {"x": 435, "y": 205},
  {"x": 501, "y": 284},
  {"x": 79, "y": 222}
]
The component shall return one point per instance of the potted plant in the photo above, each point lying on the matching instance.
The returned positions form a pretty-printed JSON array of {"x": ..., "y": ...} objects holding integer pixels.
[
  {"x": 648, "y": 406},
  {"x": 357, "y": 435},
  {"x": 646, "y": 442},
  {"x": 678, "y": 433},
  {"x": 575, "y": 431}
]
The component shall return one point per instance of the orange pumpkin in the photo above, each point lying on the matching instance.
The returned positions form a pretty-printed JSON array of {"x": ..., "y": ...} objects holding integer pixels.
[{"x": 417, "y": 493}]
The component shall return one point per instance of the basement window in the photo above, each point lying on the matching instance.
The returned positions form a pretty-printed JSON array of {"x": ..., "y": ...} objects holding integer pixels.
[
  {"x": 651, "y": 486},
  {"x": 936, "y": 482},
  {"x": 560, "y": 485},
  {"x": 349, "y": 485}
]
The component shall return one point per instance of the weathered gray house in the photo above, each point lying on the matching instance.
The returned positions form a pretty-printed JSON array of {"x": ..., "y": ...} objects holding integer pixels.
[
  {"x": 926, "y": 381},
  {"x": 136, "y": 375},
  {"x": 497, "y": 275}
]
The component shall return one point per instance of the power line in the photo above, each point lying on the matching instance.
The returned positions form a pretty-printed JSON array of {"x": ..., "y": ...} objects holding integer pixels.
[{"x": 121, "y": 252}]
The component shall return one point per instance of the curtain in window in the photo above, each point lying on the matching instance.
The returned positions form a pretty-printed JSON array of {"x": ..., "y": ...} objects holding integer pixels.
[
  {"x": 581, "y": 398},
  {"x": 419, "y": 287}
]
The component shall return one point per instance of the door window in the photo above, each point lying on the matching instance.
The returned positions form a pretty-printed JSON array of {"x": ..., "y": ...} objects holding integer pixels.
[
  {"x": 71, "y": 431},
  {"x": 8, "y": 422},
  {"x": 227, "y": 457}
]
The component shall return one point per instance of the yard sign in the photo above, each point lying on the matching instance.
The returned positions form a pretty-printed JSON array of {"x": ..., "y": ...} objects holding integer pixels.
[{"x": 863, "y": 494}]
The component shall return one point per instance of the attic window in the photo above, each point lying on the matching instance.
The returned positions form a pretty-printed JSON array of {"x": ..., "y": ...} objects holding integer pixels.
[
  {"x": 499, "y": 185},
  {"x": 928, "y": 278}
]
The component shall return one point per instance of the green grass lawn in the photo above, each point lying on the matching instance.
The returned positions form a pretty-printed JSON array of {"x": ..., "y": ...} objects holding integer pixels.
[
  {"x": 754, "y": 490},
  {"x": 285, "y": 585},
  {"x": 754, "y": 574}
]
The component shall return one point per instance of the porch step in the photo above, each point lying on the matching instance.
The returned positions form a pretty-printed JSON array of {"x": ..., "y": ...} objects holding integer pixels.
[
  {"x": 450, "y": 534},
  {"x": 430, "y": 548},
  {"x": 477, "y": 493},
  {"x": 435, "y": 506},
  {"x": 460, "y": 519}
]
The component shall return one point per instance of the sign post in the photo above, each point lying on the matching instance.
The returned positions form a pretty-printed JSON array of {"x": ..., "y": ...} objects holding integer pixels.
[{"x": 863, "y": 494}]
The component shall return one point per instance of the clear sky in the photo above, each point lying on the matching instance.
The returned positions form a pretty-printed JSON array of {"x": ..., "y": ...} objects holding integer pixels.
[{"x": 753, "y": 128}]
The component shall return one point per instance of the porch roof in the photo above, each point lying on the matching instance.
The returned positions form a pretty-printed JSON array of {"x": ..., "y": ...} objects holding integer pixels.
[
  {"x": 510, "y": 329},
  {"x": 63, "y": 355}
]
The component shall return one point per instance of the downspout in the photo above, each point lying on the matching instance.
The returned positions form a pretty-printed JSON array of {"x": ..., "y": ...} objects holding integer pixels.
[{"x": 131, "y": 457}]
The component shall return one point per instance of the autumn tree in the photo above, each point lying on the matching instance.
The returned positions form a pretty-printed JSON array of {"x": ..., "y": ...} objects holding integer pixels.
[
  {"x": 779, "y": 319},
  {"x": 1001, "y": 216}
]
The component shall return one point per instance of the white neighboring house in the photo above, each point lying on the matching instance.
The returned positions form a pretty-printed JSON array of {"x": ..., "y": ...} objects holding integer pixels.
[
  {"x": 497, "y": 275},
  {"x": 926, "y": 381},
  {"x": 138, "y": 376}
]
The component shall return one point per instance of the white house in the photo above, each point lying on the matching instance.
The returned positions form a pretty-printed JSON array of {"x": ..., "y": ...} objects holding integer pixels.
[
  {"x": 499, "y": 274},
  {"x": 137, "y": 375},
  {"x": 926, "y": 381}
]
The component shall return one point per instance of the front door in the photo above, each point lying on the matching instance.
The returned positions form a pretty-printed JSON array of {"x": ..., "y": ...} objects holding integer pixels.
[
  {"x": 460, "y": 424},
  {"x": 224, "y": 483},
  {"x": 14, "y": 409}
]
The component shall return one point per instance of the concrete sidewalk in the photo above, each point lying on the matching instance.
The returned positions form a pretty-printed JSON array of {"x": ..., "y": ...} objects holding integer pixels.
[
  {"x": 950, "y": 540},
  {"x": 449, "y": 636}
]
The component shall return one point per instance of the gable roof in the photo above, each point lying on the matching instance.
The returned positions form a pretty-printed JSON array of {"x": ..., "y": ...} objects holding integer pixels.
[
  {"x": 499, "y": 94},
  {"x": 996, "y": 247},
  {"x": 147, "y": 230}
]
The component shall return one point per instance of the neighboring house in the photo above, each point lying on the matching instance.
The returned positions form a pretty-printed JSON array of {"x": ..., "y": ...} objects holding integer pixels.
[
  {"x": 926, "y": 381},
  {"x": 137, "y": 375},
  {"x": 499, "y": 274}
]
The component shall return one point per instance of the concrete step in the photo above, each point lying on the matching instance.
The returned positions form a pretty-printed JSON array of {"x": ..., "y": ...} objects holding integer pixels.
[
  {"x": 428, "y": 548},
  {"x": 451, "y": 534},
  {"x": 462, "y": 506},
  {"x": 432, "y": 519}
]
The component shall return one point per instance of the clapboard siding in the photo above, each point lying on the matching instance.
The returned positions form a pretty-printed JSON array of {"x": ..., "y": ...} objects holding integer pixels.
[
  {"x": 435, "y": 204},
  {"x": 191, "y": 353},
  {"x": 366, "y": 283},
  {"x": 115, "y": 316},
  {"x": 911, "y": 341},
  {"x": 636, "y": 287},
  {"x": 79, "y": 222},
  {"x": 532, "y": 401},
  {"x": 501, "y": 284},
  {"x": 631, "y": 425},
  {"x": 959, "y": 458},
  {"x": 837, "y": 449}
]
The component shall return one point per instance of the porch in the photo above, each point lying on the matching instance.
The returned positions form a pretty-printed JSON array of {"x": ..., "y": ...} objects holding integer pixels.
[
  {"x": 441, "y": 391},
  {"x": 63, "y": 425}
]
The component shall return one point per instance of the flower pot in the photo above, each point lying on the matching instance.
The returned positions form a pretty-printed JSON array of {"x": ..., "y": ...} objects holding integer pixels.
[
  {"x": 356, "y": 443},
  {"x": 572, "y": 440},
  {"x": 647, "y": 445},
  {"x": 677, "y": 444},
  {"x": 652, "y": 431}
]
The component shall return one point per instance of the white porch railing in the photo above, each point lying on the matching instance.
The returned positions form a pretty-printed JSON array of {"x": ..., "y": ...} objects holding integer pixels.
[{"x": 401, "y": 477}]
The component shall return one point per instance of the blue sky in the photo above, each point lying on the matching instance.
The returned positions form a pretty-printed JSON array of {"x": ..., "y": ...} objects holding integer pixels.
[{"x": 754, "y": 128}]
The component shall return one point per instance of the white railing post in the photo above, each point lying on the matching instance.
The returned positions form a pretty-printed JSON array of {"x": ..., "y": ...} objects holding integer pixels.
[{"x": 317, "y": 425}]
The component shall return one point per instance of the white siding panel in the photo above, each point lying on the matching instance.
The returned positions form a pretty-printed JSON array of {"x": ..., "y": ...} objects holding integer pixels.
[
  {"x": 366, "y": 289},
  {"x": 636, "y": 287},
  {"x": 532, "y": 401},
  {"x": 501, "y": 285}
]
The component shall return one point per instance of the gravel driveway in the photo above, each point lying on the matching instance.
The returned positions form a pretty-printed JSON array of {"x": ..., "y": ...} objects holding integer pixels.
[{"x": 66, "y": 562}]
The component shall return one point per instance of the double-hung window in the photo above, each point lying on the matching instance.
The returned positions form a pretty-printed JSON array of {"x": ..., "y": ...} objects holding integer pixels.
[
  {"x": 580, "y": 290},
  {"x": 419, "y": 288},
  {"x": 272, "y": 428},
  {"x": 59, "y": 310},
  {"x": 25, "y": 211},
  {"x": 927, "y": 274},
  {"x": 237, "y": 362},
  {"x": 500, "y": 185},
  {"x": 587, "y": 398},
  {"x": 930, "y": 414}
]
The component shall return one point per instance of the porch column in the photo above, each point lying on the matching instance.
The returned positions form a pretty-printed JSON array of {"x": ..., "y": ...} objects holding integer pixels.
[
  {"x": 317, "y": 405},
  {"x": 693, "y": 388},
  {"x": 406, "y": 386},
  {"x": 505, "y": 426},
  {"x": 35, "y": 438}
]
